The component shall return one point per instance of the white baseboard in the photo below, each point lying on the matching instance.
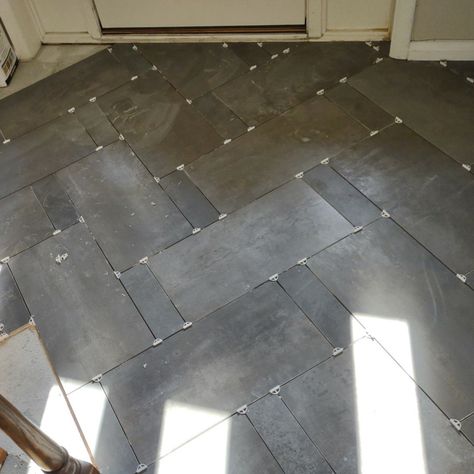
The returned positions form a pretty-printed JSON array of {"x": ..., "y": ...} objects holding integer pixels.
[{"x": 437, "y": 50}]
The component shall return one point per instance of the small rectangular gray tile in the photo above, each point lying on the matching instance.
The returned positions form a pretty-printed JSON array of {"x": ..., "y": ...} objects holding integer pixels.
[
  {"x": 326, "y": 312},
  {"x": 55, "y": 202},
  {"x": 285, "y": 438},
  {"x": 42, "y": 152},
  {"x": 152, "y": 302},
  {"x": 189, "y": 199},
  {"x": 13, "y": 312},
  {"x": 251, "y": 53},
  {"x": 194, "y": 68},
  {"x": 84, "y": 316},
  {"x": 23, "y": 222},
  {"x": 127, "y": 211},
  {"x": 102, "y": 430},
  {"x": 243, "y": 250},
  {"x": 231, "y": 447},
  {"x": 425, "y": 191},
  {"x": 200, "y": 376},
  {"x": 430, "y": 99},
  {"x": 359, "y": 107},
  {"x": 366, "y": 415},
  {"x": 353, "y": 205},
  {"x": 96, "y": 123},
  {"x": 418, "y": 310},
  {"x": 254, "y": 164}
]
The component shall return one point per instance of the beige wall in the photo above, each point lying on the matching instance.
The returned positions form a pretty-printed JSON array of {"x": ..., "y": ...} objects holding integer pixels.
[{"x": 444, "y": 20}]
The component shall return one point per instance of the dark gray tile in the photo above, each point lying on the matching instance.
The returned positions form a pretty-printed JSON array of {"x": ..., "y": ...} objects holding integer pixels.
[
  {"x": 103, "y": 433},
  {"x": 408, "y": 300},
  {"x": 464, "y": 68},
  {"x": 13, "y": 312},
  {"x": 251, "y": 53},
  {"x": 290, "y": 79},
  {"x": 55, "y": 202},
  {"x": 470, "y": 279},
  {"x": 96, "y": 124},
  {"x": 366, "y": 415},
  {"x": 163, "y": 129},
  {"x": 200, "y": 376},
  {"x": 426, "y": 192},
  {"x": 231, "y": 447},
  {"x": 195, "y": 68},
  {"x": 269, "y": 156},
  {"x": 353, "y": 205},
  {"x": 359, "y": 107},
  {"x": 326, "y": 312},
  {"x": 127, "y": 211},
  {"x": 285, "y": 438},
  {"x": 152, "y": 302},
  {"x": 42, "y": 152},
  {"x": 54, "y": 95},
  {"x": 131, "y": 57},
  {"x": 190, "y": 201},
  {"x": 87, "y": 321},
  {"x": 430, "y": 99},
  {"x": 468, "y": 428},
  {"x": 226, "y": 123},
  {"x": 243, "y": 250},
  {"x": 23, "y": 223}
]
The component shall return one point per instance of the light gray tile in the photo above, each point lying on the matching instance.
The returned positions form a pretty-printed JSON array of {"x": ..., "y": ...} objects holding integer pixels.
[
  {"x": 13, "y": 312},
  {"x": 468, "y": 428}
]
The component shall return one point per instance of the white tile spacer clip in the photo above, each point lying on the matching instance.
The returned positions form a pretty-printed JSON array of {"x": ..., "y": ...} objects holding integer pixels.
[
  {"x": 337, "y": 351},
  {"x": 81, "y": 220},
  {"x": 225, "y": 45},
  {"x": 385, "y": 214},
  {"x": 157, "y": 342},
  {"x": 368, "y": 43},
  {"x": 154, "y": 68},
  {"x": 6, "y": 141},
  {"x": 99, "y": 148},
  {"x": 398, "y": 120},
  {"x": 134, "y": 78},
  {"x": 196, "y": 230},
  {"x": 180, "y": 167},
  {"x": 467, "y": 167},
  {"x": 189, "y": 101},
  {"x": 71, "y": 110},
  {"x": 243, "y": 410},
  {"x": 303, "y": 261},
  {"x": 376, "y": 48},
  {"x": 462, "y": 277},
  {"x": 61, "y": 257},
  {"x": 187, "y": 324},
  {"x": 357, "y": 229},
  {"x": 143, "y": 260},
  {"x": 273, "y": 277},
  {"x": 456, "y": 424},
  {"x": 141, "y": 468},
  {"x": 117, "y": 274},
  {"x": 260, "y": 45},
  {"x": 343, "y": 80},
  {"x": 373, "y": 132},
  {"x": 156, "y": 179},
  {"x": 134, "y": 47},
  {"x": 299, "y": 175},
  {"x": 253, "y": 67},
  {"x": 320, "y": 92},
  {"x": 97, "y": 378},
  {"x": 92, "y": 99},
  {"x": 378, "y": 60},
  {"x": 325, "y": 161},
  {"x": 32, "y": 320},
  {"x": 274, "y": 56},
  {"x": 227, "y": 140},
  {"x": 286, "y": 51},
  {"x": 222, "y": 216},
  {"x": 470, "y": 79},
  {"x": 444, "y": 63},
  {"x": 275, "y": 390},
  {"x": 121, "y": 137},
  {"x": 5, "y": 260},
  {"x": 57, "y": 231},
  {"x": 109, "y": 50},
  {"x": 252, "y": 127}
]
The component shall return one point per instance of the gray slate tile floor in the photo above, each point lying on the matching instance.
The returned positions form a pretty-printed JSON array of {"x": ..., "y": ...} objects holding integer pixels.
[{"x": 169, "y": 195}]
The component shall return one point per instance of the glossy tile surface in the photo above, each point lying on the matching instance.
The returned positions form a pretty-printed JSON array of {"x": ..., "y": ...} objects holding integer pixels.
[
  {"x": 13, "y": 312},
  {"x": 243, "y": 250},
  {"x": 204, "y": 374},
  {"x": 87, "y": 321},
  {"x": 362, "y": 411},
  {"x": 127, "y": 211},
  {"x": 245, "y": 169},
  {"x": 426, "y": 192},
  {"x": 418, "y": 310}
]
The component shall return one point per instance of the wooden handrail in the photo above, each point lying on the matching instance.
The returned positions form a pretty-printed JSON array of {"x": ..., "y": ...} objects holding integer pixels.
[{"x": 48, "y": 455}]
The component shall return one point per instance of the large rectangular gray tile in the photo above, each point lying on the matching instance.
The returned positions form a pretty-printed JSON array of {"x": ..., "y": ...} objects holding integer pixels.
[
  {"x": 285, "y": 438},
  {"x": 54, "y": 95},
  {"x": 353, "y": 205},
  {"x": 430, "y": 99},
  {"x": 326, "y": 312},
  {"x": 55, "y": 202},
  {"x": 468, "y": 428},
  {"x": 152, "y": 302},
  {"x": 267, "y": 157},
  {"x": 425, "y": 191},
  {"x": 417, "y": 309},
  {"x": 189, "y": 199},
  {"x": 23, "y": 222},
  {"x": 290, "y": 79},
  {"x": 13, "y": 312},
  {"x": 200, "y": 376},
  {"x": 231, "y": 447},
  {"x": 366, "y": 415},
  {"x": 251, "y": 53},
  {"x": 130, "y": 56},
  {"x": 236, "y": 254},
  {"x": 87, "y": 321},
  {"x": 127, "y": 211},
  {"x": 42, "y": 152},
  {"x": 96, "y": 123},
  {"x": 195, "y": 68},
  {"x": 104, "y": 435},
  {"x": 162, "y": 128}
]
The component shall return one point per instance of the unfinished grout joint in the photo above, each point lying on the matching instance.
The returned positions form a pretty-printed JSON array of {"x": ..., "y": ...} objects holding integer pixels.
[
  {"x": 378, "y": 60},
  {"x": 456, "y": 424},
  {"x": 189, "y": 101},
  {"x": 260, "y": 45},
  {"x": 373, "y": 132},
  {"x": 143, "y": 260},
  {"x": 154, "y": 68},
  {"x": 343, "y": 80},
  {"x": 71, "y": 110},
  {"x": 398, "y": 120},
  {"x": 157, "y": 342},
  {"x": 121, "y": 137},
  {"x": 99, "y": 148},
  {"x": 385, "y": 214},
  {"x": 368, "y": 43},
  {"x": 444, "y": 63},
  {"x": 467, "y": 166},
  {"x": 141, "y": 468},
  {"x": 369, "y": 336},
  {"x": 222, "y": 216},
  {"x": 254, "y": 66},
  {"x": 299, "y": 175},
  {"x": 32, "y": 320},
  {"x": 92, "y": 99},
  {"x": 462, "y": 277},
  {"x": 320, "y": 92},
  {"x": 97, "y": 378},
  {"x": 357, "y": 229},
  {"x": 57, "y": 231},
  {"x": 187, "y": 325},
  {"x": 227, "y": 141},
  {"x": 273, "y": 277},
  {"x": 180, "y": 167},
  {"x": 134, "y": 78},
  {"x": 286, "y": 51},
  {"x": 156, "y": 179},
  {"x": 196, "y": 230},
  {"x": 225, "y": 45},
  {"x": 6, "y": 141},
  {"x": 5, "y": 260},
  {"x": 117, "y": 274},
  {"x": 135, "y": 47},
  {"x": 325, "y": 161},
  {"x": 81, "y": 220},
  {"x": 60, "y": 258},
  {"x": 376, "y": 48},
  {"x": 337, "y": 351},
  {"x": 274, "y": 56},
  {"x": 275, "y": 390},
  {"x": 109, "y": 50},
  {"x": 252, "y": 127},
  {"x": 243, "y": 410},
  {"x": 303, "y": 261}
]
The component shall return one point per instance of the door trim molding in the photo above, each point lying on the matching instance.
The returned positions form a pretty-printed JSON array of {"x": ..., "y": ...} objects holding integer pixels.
[
  {"x": 403, "y": 19},
  {"x": 436, "y": 50}
]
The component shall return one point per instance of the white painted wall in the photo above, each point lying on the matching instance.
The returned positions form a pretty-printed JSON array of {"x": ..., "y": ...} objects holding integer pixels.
[{"x": 60, "y": 16}]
